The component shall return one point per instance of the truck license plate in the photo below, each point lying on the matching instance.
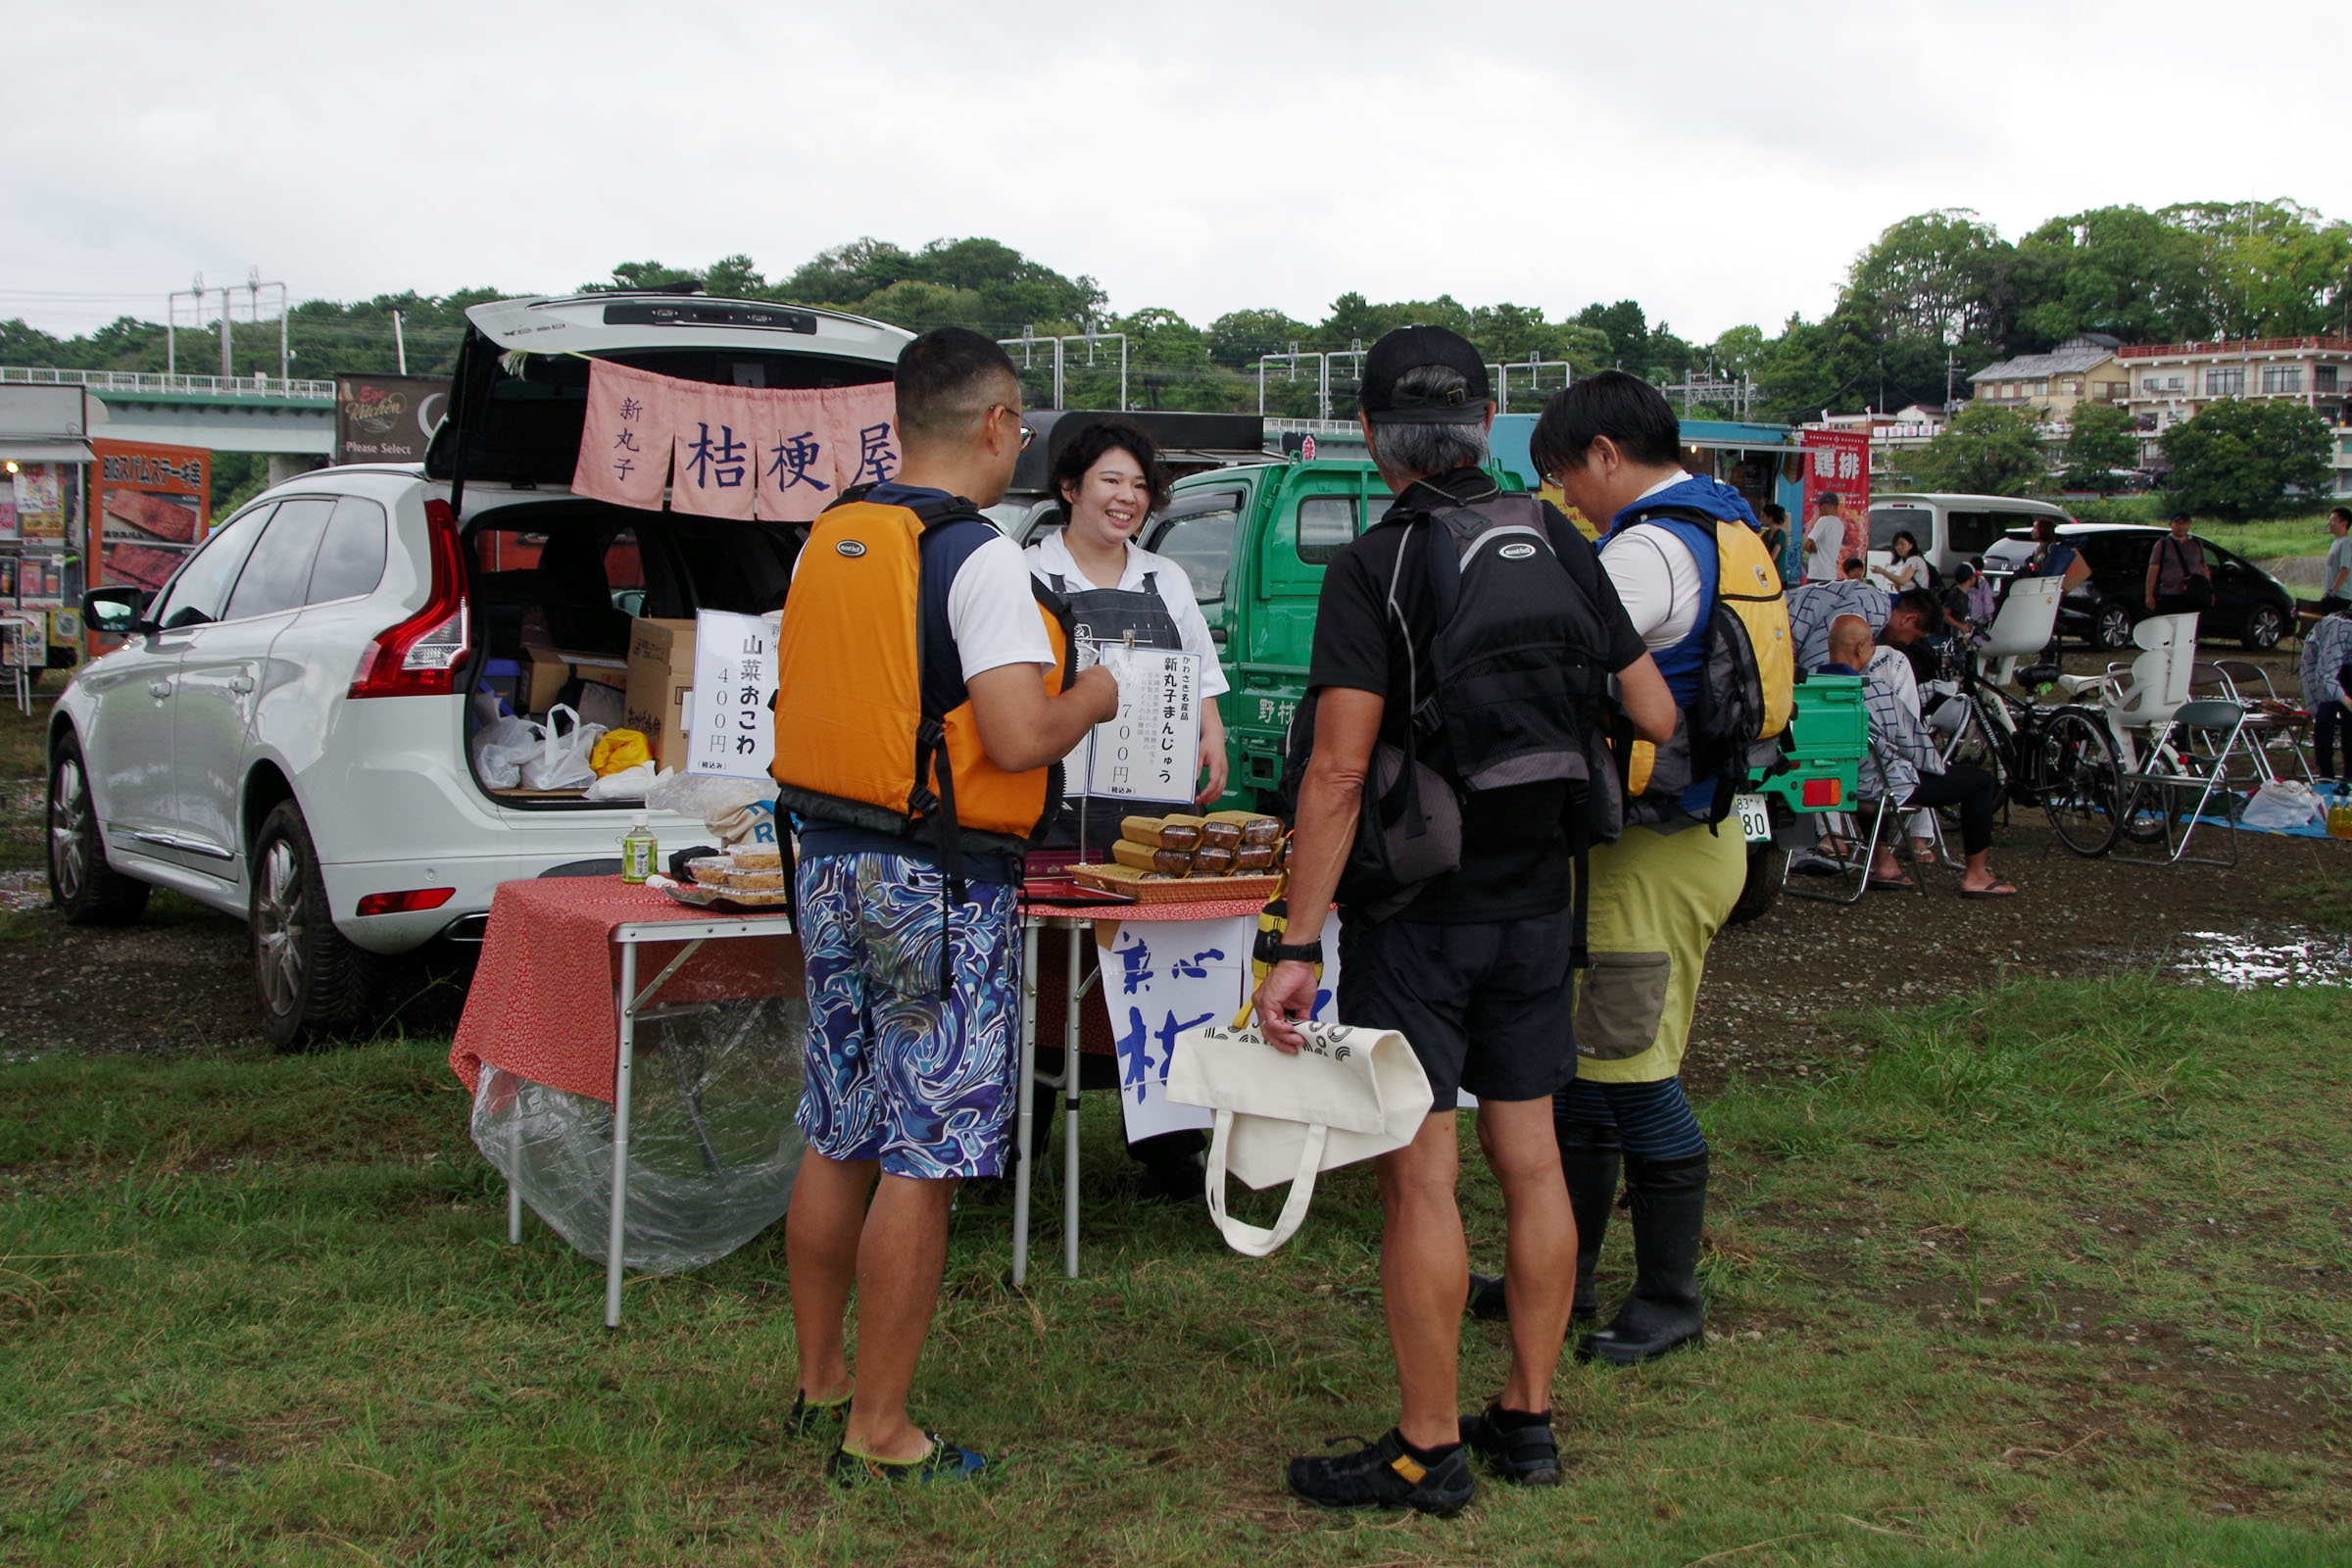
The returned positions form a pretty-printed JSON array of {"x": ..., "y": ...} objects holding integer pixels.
[{"x": 1755, "y": 822}]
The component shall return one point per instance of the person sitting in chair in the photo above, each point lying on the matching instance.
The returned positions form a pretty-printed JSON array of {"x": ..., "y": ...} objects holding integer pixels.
[{"x": 1914, "y": 774}]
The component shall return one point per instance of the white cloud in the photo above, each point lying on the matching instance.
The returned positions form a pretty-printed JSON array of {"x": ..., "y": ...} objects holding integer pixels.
[{"x": 1718, "y": 161}]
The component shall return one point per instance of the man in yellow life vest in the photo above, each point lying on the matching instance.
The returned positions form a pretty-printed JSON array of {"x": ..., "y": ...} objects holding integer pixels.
[{"x": 923, "y": 700}]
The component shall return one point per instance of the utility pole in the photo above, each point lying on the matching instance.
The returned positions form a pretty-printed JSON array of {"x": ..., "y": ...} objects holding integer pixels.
[
  {"x": 225, "y": 338},
  {"x": 400, "y": 345}
]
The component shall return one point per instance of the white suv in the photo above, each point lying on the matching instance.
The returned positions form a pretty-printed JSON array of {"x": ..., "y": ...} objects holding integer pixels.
[{"x": 282, "y": 735}]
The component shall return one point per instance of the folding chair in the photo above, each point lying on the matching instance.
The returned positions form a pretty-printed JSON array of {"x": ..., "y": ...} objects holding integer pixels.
[
  {"x": 2187, "y": 766},
  {"x": 2279, "y": 730}
]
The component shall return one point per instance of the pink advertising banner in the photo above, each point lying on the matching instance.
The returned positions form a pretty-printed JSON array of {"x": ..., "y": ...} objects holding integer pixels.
[
  {"x": 731, "y": 452},
  {"x": 1840, "y": 466}
]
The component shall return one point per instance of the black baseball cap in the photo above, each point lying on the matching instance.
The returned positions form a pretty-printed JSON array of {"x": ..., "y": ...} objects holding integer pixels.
[{"x": 1408, "y": 348}]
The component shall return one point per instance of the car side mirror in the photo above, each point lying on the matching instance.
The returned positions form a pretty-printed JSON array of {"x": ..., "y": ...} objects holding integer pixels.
[{"x": 117, "y": 612}]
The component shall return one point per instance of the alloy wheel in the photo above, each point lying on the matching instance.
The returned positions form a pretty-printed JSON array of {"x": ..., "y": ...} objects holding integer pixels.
[
  {"x": 2264, "y": 627},
  {"x": 70, "y": 848},
  {"x": 279, "y": 922}
]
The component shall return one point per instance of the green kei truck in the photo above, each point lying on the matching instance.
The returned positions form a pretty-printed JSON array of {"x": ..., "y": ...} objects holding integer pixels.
[{"x": 1254, "y": 539}]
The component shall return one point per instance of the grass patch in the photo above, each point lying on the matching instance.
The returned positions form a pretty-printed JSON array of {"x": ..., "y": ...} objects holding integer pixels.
[
  {"x": 2322, "y": 902},
  {"x": 2055, "y": 1276}
]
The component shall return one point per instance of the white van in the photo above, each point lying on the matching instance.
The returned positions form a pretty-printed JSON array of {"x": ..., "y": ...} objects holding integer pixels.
[{"x": 1951, "y": 529}]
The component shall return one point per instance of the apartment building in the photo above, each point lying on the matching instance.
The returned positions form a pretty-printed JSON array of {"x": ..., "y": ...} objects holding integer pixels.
[{"x": 2173, "y": 381}]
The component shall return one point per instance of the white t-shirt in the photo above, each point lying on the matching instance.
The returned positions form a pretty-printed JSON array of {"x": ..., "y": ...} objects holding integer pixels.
[
  {"x": 1655, "y": 575},
  {"x": 1827, "y": 537},
  {"x": 1051, "y": 556},
  {"x": 992, "y": 614}
]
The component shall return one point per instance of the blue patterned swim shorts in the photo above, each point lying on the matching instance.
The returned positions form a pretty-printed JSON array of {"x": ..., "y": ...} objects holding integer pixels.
[{"x": 895, "y": 1073}]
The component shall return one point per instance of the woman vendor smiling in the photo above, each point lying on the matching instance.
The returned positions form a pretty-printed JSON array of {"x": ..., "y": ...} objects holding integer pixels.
[{"x": 1110, "y": 481}]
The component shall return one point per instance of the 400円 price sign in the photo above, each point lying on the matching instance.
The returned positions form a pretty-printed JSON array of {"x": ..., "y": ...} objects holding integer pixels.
[{"x": 1150, "y": 749}]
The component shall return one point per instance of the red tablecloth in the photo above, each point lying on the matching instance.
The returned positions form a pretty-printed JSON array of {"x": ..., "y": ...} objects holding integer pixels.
[
  {"x": 544, "y": 1003},
  {"x": 1052, "y": 965}
]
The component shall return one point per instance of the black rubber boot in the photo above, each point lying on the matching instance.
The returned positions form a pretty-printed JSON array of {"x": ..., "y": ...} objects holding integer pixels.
[
  {"x": 1588, "y": 1159},
  {"x": 1667, "y": 1205},
  {"x": 1589, "y": 1156}
]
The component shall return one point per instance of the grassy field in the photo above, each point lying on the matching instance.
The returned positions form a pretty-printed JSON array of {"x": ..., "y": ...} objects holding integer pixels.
[{"x": 2053, "y": 1275}]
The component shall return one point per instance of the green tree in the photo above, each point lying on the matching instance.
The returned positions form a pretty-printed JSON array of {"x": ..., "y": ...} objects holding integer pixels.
[
  {"x": 1985, "y": 451},
  {"x": 1627, "y": 329},
  {"x": 1239, "y": 339},
  {"x": 2100, "y": 438},
  {"x": 2115, "y": 269},
  {"x": 2240, "y": 459}
]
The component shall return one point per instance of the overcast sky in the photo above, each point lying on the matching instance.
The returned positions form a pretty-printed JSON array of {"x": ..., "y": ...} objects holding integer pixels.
[{"x": 1720, "y": 161}]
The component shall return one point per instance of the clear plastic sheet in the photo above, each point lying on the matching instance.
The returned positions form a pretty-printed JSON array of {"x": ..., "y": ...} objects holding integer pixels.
[{"x": 712, "y": 1148}]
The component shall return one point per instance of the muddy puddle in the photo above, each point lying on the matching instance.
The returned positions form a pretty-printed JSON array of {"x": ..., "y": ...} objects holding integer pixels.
[{"x": 2288, "y": 955}]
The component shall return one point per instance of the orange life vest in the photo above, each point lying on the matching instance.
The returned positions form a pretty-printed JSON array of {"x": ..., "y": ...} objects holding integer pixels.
[{"x": 856, "y": 741}]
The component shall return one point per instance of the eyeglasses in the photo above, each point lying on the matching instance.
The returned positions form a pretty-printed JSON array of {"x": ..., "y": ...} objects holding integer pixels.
[{"x": 1027, "y": 435}]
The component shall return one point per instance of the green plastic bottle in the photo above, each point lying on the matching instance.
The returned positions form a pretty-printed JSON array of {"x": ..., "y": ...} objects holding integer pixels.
[{"x": 638, "y": 849}]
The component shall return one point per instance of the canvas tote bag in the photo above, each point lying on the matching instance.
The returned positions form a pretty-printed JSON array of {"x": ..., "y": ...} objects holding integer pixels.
[{"x": 1348, "y": 1095}]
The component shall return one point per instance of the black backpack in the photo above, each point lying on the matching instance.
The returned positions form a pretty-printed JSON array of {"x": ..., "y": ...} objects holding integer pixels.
[{"x": 1517, "y": 693}]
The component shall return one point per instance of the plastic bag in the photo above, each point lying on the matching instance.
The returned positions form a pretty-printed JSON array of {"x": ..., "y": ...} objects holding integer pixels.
[
  {"x": 500, "y": 748},
  {"x": 562, "y": 760},
  {"x": 2281, "y": 806},
  {"x": 629, "y": 784},
  {"x": 706, "y": 795},
  {"x": 712, "y": 1146}
]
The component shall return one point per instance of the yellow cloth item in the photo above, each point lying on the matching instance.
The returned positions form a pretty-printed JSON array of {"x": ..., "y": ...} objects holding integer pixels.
[
  {"x": 617, "y": 750},
  {"x": 1658, "y": 899}
]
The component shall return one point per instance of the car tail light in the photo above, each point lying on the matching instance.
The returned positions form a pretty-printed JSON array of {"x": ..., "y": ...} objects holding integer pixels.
[
  {"x": 1824, "y": 792},
  {"x": 422, "y": 655},
  {"x": 403, "y": 903}
]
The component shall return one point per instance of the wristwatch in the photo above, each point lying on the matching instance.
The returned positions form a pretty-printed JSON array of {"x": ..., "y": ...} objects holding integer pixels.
[{"x": 1270, "y": 949}]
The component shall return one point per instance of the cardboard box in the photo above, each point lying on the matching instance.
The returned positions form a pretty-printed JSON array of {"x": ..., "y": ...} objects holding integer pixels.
[
  {"x": 546, "y": 669},
  {"x": 660, "y": 679}
]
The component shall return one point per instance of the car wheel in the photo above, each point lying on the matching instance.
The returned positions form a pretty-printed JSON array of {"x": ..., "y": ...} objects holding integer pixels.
[
  {"x": 1765, "y": 869},
  {"x": 2112, "y": 627},
  {"x": 2264, "y": 627},
  {"x": 87, "y": 890},
  {"x": 312, "y": 982}
]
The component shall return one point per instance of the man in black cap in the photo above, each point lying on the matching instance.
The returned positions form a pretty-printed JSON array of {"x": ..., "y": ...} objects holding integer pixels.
[{"x": 1472, "y": 964}]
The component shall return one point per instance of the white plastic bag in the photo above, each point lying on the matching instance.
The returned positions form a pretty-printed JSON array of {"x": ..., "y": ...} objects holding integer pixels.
[
  {"x": 562, "y": 760},
  {"x": 2281, "y": 806},
  {"x": 629, "y": 784},
  {"x": 500, "y": 748},
  {"x": 1346, "y": 1094},
  {"x": 706, "y": 795}
]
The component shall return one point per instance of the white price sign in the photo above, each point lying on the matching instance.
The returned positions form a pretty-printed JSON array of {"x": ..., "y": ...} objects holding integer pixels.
[
  {"x": 1150, "y": 749},
  {"x": 734, "y": 678}
]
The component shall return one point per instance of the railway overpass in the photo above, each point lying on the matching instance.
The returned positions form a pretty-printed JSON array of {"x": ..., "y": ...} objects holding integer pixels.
[{"x": 292, "y": 421}]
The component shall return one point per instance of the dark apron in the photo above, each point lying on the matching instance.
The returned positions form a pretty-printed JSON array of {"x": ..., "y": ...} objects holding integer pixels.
[{"x": 1103, "y": 616}]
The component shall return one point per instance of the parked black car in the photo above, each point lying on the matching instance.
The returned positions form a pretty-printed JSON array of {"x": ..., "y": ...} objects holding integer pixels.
[{"x": 2248, "y": 603}]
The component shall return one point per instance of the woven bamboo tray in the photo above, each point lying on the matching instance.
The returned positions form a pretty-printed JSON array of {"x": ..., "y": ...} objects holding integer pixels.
[{"x": 1149, "y": 887}]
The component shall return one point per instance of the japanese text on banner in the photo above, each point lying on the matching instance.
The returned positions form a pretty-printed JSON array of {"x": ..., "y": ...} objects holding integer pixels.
[
  {"x": 732, "y": 732},
  {"x": 1150, "y": 749},
  {"x": 1160, "y": 978}
]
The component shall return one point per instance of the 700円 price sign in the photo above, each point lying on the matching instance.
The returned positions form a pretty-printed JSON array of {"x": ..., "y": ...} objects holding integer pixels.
[{"x": 1150, "y": 749}]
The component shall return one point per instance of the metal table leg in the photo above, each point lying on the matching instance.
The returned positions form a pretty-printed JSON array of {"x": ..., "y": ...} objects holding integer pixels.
[
  {"x": 513, "y": 1187},
  {"x": 621, "y": 1133},
  {"x": 1069, "y": 1109},
  {"x": 1025, "y": 1101}
]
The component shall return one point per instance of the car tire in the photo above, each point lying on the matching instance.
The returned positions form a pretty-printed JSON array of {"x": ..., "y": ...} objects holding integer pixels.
[
  {"x": 1766, "y": 866},
  {"x": 82, "y": 885},
  {"x": 2264, "y": 627},
  {"x": 2111, "y": 627},
  {"x": 310, "y": 981}
]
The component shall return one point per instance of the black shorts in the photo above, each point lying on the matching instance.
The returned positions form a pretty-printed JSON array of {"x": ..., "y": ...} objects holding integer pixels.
[{"x": 1488, "y": 1007}]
